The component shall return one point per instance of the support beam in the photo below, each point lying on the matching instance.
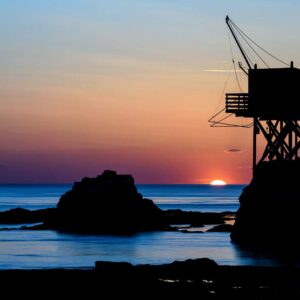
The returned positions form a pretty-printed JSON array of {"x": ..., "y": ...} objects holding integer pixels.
[
  {"x": 282, "y": 140},
  {"x": 255, "y": 129}
]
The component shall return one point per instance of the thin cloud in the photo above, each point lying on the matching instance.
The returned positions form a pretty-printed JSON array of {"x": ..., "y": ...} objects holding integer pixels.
[
  {"x": 221, "y": 71},
  {"x": 234, "y": 150}
]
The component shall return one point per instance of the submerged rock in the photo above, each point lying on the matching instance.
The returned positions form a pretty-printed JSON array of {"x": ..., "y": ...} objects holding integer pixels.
[
  {"x": 270, "y": 206},
  {"x": 107, "y": 203}
]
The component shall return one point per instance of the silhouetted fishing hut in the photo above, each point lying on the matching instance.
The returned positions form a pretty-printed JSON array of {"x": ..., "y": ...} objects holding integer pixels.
[
  {"x": 269, "y": 206},
  {"x": 272, "y": 101}
]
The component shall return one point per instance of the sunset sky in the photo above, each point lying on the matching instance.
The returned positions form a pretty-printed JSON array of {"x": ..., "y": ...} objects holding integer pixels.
[{"x": 129, "y": 85}]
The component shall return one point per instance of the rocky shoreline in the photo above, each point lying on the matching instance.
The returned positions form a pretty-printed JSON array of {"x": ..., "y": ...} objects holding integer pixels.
[
  {"x": 174, "y": 220},
  {"x": 200, "y": 277}
]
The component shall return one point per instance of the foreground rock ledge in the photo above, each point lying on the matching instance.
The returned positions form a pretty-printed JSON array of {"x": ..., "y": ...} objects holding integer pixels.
[
  {"x": 270, "y": 206},
  {"x": 191, "y": 279}
]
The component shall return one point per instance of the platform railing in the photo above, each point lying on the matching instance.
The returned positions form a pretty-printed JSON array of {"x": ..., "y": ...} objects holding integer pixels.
[{"x": 237, "y": 103}]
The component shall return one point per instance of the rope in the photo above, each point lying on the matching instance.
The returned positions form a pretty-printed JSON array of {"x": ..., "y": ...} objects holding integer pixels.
[
  {"x": 220, "y": 121},
  {"x": 233, "y": 62},
  {"x": 261, "y": 48},
  {"x": 263, "y": 61},
  {"x": 247, "y": 54},
  {"x": 222, "y": 93}
]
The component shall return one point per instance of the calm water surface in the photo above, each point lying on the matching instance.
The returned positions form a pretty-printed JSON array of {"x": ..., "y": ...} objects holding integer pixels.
[
  {"x": 49, "y": 249},
  {"x": 187, "y": 197}
]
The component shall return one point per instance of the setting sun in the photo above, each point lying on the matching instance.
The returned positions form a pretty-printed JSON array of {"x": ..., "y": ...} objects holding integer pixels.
[{"x": 218, "y": 182}]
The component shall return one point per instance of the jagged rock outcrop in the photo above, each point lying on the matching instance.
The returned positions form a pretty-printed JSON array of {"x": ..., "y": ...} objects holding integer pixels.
[
  {"x": 107, "y": 203},
  {"x": 269, "y": 212}
]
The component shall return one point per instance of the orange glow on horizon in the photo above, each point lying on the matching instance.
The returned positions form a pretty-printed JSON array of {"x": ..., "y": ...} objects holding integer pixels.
[{"x": 218, "y": 182}]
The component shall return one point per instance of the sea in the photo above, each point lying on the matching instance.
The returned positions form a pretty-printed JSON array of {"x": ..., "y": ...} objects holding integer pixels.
[{"x": 24, "y": 249}]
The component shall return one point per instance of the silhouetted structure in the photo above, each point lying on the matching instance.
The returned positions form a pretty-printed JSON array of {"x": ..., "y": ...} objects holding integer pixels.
[
  {"x": 272, "y": 100},
  {"x": 270, "y": 204}
]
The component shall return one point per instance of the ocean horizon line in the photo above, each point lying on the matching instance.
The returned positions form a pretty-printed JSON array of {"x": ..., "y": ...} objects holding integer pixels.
[{"x": 138, "y": 184}]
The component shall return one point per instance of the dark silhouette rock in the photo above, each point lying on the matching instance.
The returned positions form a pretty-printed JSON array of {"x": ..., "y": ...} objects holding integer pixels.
[
  {"x": 270, "y": 206},
  {"x": 20, "y": 215},
  {"x": 221, "y": 228},
  {"x": 191, "y": 268},
  {"x": 194, "y": 218},
  {"x": 107, "y": 203},
  {"x": 195, "y": 279}
]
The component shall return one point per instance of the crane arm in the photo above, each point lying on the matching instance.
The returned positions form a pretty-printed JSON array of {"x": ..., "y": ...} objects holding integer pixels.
[{"x": 228, "y": 22}]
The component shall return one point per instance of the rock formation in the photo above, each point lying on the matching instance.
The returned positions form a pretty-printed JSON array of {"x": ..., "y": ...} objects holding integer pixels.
[
  {"x": 107, "y": 203},
  {"x": 270, "y": 206},
  {"x": 22, "y": 216}
]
